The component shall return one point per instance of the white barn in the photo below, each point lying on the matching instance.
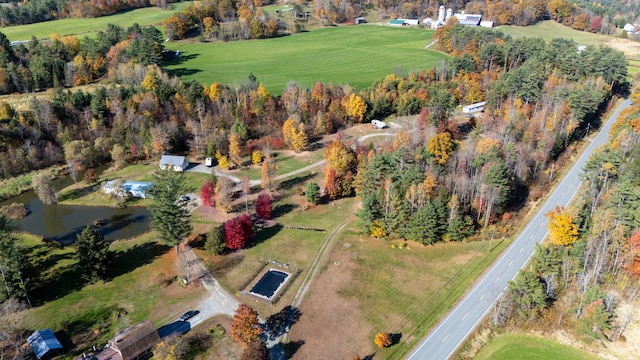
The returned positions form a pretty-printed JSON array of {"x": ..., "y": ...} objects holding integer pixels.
[
  {"x": 473, "y": 108},
  {"x": 173, "y": 162}
]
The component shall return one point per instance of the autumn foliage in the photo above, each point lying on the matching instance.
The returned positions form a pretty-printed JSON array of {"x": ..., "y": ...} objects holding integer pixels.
[
  {"x": 382, "y": 340},
  {"x": 245, "y": 327},
  {"x": 237, "y": 232},
  {"x": 562, "y": 227},
  {"x": 633, "y": 248},
  {"x": 208, "y": 194},
  {"x": 263, "y": 206}
]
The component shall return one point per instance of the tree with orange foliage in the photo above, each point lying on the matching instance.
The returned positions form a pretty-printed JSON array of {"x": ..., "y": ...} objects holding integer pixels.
[
  {"x": 245, "y": 327},
  {"x": 562, "y": 227},
  {"x": 633, "y": 255},
  {"x": 235, "y": 149},
  {"x": 382, "y": 340}
]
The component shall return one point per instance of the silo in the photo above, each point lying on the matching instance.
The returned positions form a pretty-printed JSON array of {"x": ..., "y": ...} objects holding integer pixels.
[{"x": 441, "y": 14}]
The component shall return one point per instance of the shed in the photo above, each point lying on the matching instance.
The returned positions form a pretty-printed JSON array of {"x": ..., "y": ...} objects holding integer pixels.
[
  {"x": 43, "y": 343},
  {"x": 173, "y": 162},
  {"x": 630, "y": 29},
  {"x": 412, "y": 22},
  {"x": 396, "y": 22},
  {"x": 135, "y": 342}
]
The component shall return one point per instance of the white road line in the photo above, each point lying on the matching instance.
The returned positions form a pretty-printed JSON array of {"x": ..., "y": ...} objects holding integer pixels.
[
  {"x": 465, "y": 315},
  {"x": 445, "y": 338},
  {"x": 496, "y": 280},
  {"x": 510, "y": 263}
]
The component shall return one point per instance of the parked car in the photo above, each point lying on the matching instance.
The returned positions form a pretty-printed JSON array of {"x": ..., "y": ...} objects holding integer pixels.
[
  {"x": 184, "y": 198},
  {"x": 189, "y": 314}
]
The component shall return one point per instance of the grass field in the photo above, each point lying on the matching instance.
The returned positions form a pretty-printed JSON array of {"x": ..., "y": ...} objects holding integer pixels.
[
  {"x": 354, "y": 55},
  {"x": 522, "y": 347},
  {"x": 90, "y": 314},
  {"x": 145, "y": 16}
]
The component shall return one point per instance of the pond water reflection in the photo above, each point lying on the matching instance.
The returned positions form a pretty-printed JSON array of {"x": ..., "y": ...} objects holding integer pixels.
[{"x": 62, "y": 223}]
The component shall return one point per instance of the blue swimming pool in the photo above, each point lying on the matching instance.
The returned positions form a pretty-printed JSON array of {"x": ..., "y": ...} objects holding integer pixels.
[{"x": 269, "y": 284}]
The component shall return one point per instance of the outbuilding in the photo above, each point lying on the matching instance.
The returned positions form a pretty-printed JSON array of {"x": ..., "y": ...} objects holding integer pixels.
[
  {"x": 136, "y": 189},
  {"x": 173, "y": 162},
  {"x": 44, "y": 343}
]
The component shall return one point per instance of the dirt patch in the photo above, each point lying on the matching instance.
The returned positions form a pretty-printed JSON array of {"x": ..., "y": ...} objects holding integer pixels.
[{"x": 326, "y": 313}]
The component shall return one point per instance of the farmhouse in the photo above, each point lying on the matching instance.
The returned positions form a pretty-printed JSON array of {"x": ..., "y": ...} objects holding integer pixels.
[
  {"x": 131, "y": 344},
  {"x": 44, "y": 343},
  {"x": 173, "y": 162},
  {"x": 136, "y": 189}
]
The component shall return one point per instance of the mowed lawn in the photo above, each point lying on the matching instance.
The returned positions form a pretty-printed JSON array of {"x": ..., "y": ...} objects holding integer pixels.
[
  {"x": 550, "y": 29},
  {"x": 523, "y": 347},
  {"x": 145, "y": 16},
  {"x": 354, "y": 55}
]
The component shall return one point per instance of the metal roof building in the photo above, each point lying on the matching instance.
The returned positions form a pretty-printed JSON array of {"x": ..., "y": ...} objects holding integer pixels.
[{"x": 42, "y": 342}]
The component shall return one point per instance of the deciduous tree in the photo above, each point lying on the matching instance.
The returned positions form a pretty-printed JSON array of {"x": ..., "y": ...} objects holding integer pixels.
[
  {"x": 562, "y": 227},
  {"x": 263, "y": 206},
  {"x": 41, "y": 182},
  {"x": 382, "y": 340},
  {"x": 256, "y": 350},
  {"x": 245, "y": 327},
  {"x": 268, "y": 173},
  {"x": 208, "y": 194},
  {"x": 93, "y": 255},
  {"x": 224, "y": 194},
  {"x": 441, "y": 148},
  {"x": 238, "y": 232}
]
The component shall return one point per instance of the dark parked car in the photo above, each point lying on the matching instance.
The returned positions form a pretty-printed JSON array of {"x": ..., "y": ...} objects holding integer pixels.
[
  {"x": 189, "y": 314},
  {"x": 184, "y": 198}
]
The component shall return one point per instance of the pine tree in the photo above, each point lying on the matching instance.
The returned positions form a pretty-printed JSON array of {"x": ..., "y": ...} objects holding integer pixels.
[
  {"x": 11, "y": 264},
  {"x": 214, "y": 245},
  {"x": 169, "y": 217},
  {"x": 93, "y": 255},
  {"x": 313, "y": 193},
  {"x": 528, "y": 294}
]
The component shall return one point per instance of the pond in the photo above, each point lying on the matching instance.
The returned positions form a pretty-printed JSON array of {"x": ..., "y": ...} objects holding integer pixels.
[{"x": 62, "y": 223}]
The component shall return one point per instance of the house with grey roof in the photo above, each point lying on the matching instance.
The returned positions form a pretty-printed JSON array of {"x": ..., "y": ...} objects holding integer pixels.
[{"x": 173, "y": 162}]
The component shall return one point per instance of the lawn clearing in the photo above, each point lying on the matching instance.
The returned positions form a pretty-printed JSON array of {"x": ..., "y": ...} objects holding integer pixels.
[
  {"x": 285, "y": 160},
  {"x": 524, "y": 347},
  {"x": 550, "y": 29},
  {"x": 354, "y": 55},
  {"x": 142, "y": 287},
  {"x": 368, "y": 287},
  {"x": 42, "y": 30}
]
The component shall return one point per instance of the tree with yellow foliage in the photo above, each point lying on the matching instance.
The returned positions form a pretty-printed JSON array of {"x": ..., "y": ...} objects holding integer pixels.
[
  {"x": 268, "y": 173},
  {"x": 288, "y": 128},
  {"x": 563, "y": 230},
  {"x": 441, "y": 148},
  {"x": 215, "y": 90},
  {"x": 382, "y": 340},
  {"x": 150, "y": 82},
  {"x": 356, "y": 107},
  {"x": 223, "y": 162},
  {"x": 299, "y": 139},
  {"x": 235, "y": 149},
  {"x": 256, "y": 157}
]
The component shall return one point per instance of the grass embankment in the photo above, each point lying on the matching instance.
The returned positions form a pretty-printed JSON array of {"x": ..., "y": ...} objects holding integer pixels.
[
  {"x": 17, "y": 185},
  {"x": 142, "y": 287},
  {"x": 354, "y": 55},
  {"x": 408, "y": 290},
  {"x": 42, "y": 30},
  {"x": 524, "y": 347}
]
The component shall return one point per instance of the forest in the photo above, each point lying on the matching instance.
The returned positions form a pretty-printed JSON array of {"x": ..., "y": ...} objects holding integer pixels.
[{"x": 584, "y": 278}]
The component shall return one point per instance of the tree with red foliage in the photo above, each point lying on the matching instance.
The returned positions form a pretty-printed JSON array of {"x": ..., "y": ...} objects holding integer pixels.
[
  {"x": 331, "y": 184},
  {"x": 263, "y": 206},
  {"x": 633, "y": 253},
  {"x": 208, "y": 194},
  {"x": 237, "y": 232}
]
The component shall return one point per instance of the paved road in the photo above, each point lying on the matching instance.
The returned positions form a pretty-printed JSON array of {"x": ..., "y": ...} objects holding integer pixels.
[{"x": 452, "y": 331}]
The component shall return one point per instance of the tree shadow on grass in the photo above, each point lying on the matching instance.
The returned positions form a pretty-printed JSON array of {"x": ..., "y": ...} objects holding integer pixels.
[
  {"x": 282, "y": 209},
  {"x": 179, "y": 59},
  {"x": 65, "y": 280},
  {"x": 298, "y": 180},
  {"x": 126, "y": 261},
  {"x": 395, "y": 338},
  {"x": 183, "y": 71},
  {"x": 264, "y": 234},
  {"x": 75, "y": 193}
]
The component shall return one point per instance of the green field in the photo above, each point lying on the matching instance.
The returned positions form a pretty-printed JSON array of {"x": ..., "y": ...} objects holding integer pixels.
[
  {"x": 550, "y": 29},
  {"x": 354, "y": 55},
  {"x": 522, "y": 347},
  {"x": 43, "y": 30}
]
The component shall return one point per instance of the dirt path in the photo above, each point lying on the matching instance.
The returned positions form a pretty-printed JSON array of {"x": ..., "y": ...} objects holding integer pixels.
[{"x": 218, "y": 301}]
